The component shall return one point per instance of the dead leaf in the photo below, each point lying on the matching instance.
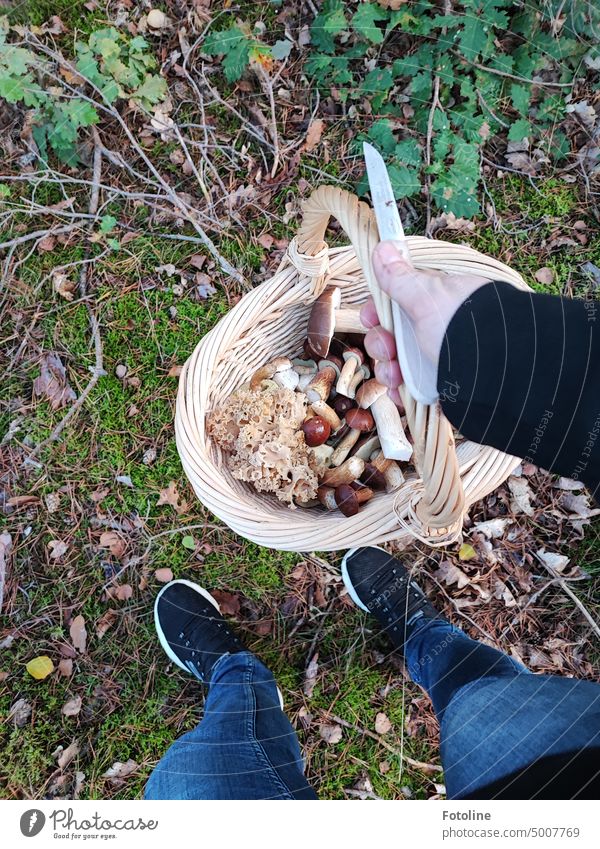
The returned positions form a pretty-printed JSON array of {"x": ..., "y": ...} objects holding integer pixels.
[
  {"x": 502, "y": 591},
  {"x": 124, "y": 480},
  {"x": 48, "y": 243},
  {"x": 544, "y": 275},
  {"x": 394, "y": 5},
  {"x": 331, "y": 733},
  {"x": 57, "y": 547},
  {"x": 78, "y": 633},
  {"x": 99, "y": 494},
  {"x": 63, "y": 286},
  {"x": 198, "y": 261},
  {"x": 54, "y": 26},
  {"x": 449, "y": 221},
  {"x": 172, "y": 497},
  {"x": 493, "y": 528},
  {"x": 262, "y": 627},
  {"x": 229, "y": 603},
  {"x": 52, "y": 501},
  {"x": 313, "y": 134},
  {"x": 310, "y": 678},
  {"x": 451, "y": 574},
  {"x": 119, "y": 771},
  {"x": 266, "y": 241},
  {"x": 106, "y": 621},
  {"x": 114, "y": 542},
  {"x": 204, "y": 286},
  {"x": 164, "y": 575},
  {"x": 120, "y": 592},
  {"x": 67, "y": 755},
  {"x": 20, "y": 712},
  {"x": 555, "y": 562},
  {"x": 384, "y": 767},
  {"x": 65, "y": 667},
  {"x": 466, "y": 552},
  {"x": 521, "y": 496},
  {"x": 79, "y": 779},
  {"x": 40, "y": 667},
  {"x": 52, "y": 382},
  {"x": 382, "y": 724},
  {"x": 174, "y": 371},
  {"x": 3, "y": 676},
  {"x": 72, "y": 707}
]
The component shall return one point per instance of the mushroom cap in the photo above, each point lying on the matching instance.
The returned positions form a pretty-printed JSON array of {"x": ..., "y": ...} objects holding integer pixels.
[
  {"x": 360, "y": 419},
  {"x": 346, "y": 499},
  {"x": 316, "y": 431},
  {"x": 341, "y": 404},
  {"x": 356, "y": 353},
  {"x": 321, "y": 322},
  {"x": 369, "y": 392},
  {"x": 333, "y": 362}
]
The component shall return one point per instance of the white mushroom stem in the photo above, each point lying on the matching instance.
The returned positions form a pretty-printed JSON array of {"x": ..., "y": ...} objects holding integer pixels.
[
  {"x": 344, "y": 448},
  {"x": 287, "y": 379},
  {"x": 347, "y": 320},
  {"x": 358, "y": 377},
  {"x": 349, "y": 471},
  {"x": 320, "y": 408},
  {"x": 394, "y": 444},
  {"x": 303, "y": 381},
  {"x": 390, "y": 470},
  {"x": 347, "y": 373},
  {"x": 322, "y": 454},
  {"x": 370, "y": 446},
  {"x": 269, "y": 370}
]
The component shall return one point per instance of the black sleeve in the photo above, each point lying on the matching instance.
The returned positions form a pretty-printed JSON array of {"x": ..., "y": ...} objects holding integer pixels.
[{"x": 520, "y": 371}]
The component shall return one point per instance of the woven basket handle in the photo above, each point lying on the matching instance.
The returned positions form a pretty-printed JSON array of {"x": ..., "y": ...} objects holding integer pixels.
[{"x": 442, "y": 502}]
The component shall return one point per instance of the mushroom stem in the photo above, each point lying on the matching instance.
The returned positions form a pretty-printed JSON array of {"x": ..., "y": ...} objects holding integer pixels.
[
  {"x": 349, "y": 471},
  {"x": 320, "y": 408},
  {"x": 346, "y": 375},
  {"x": 344, "y": 447},
  {"x": 390, "y": 470},
  {"x": 326, "y": 495},
  {"x": 394, "y": 444},
  {"x": 347, "y": 320},
  {"x": 320, "y": 386},
  {"x": 287, "y": 379},
  {"x": 268, "y": 370}
]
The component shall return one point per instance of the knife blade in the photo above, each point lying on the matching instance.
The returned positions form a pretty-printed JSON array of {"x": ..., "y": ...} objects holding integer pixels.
[{"x": 419, "y": 373}]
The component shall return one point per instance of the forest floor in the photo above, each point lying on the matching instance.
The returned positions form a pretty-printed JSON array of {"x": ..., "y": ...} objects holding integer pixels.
[{"x": 95, "y": 521}]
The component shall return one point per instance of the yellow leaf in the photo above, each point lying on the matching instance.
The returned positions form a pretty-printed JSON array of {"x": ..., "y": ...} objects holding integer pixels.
[
  {"x": 40, "y": 667},
  {"x": 466, "y": 552}
]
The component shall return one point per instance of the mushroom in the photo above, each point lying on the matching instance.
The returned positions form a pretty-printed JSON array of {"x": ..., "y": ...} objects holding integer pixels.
[
  {"x": 373, "y": 395},
  {"x": 362, "y": 373},
  {"x": 270, "y": 369},
  {"x": 353, "y": 358},
  {"x": 349, "y": 499},
  {"x": 341, "y": 405},
  {"x": 331, "y": 362},
  {"x": 321, "y": 408},
  {"x": 359, "y": 421},
  {"x": 287, "y": 379},
  {"x": 303, "y": 381},
  {"x": 347, "y": 320},
  {"x": 320, "y": 385},
  {"x": 326, "y": 495},
  {"x": 366, "y": 445},
  {"x": 373, "y": 477},
  {"x": 391, "y": 471},
  {"x": 304, "y": 366},
  {"x": 349, "y": 471},
  {"x": 321, "y": 322},
  {"x": 322, "y": 454},
  {"x": 316, "y": 431}
]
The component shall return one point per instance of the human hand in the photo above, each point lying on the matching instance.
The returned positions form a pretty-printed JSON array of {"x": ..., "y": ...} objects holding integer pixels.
[{"x": 429, "y": 298}]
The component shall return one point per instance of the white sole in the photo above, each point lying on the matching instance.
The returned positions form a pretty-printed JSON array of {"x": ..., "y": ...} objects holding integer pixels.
[
  {"x": 346, "y": 577},
  {"x": 161, "y": 636}
]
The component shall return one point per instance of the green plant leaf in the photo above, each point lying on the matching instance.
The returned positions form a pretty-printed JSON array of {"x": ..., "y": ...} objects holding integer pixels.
[
  {"x": 81, "y": 113},
  {"x": 382, "y": 135},
  {"x": 519, "y": 130},
  {"x": 408, "y": 152},
  {"x": 364, "y": 22},
  {"x": 107, "y": 223},
  {"x": 405, "y": 181},
  {"x": 189, "y": 543},
  {"x": 520, "y": 96},
  {"x": 152, "y": 90},
  {"x": 281, "y": 50},
  {"x": 330, "y": 21}
]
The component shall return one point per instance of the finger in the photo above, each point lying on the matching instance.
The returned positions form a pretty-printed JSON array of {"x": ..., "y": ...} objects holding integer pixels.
[
  {"x": 380, "y": 344},
  {"x": 388, "y": 373},
  {"x": 398, "y": 278},
  {"x": 395, "y": 396},
  {"x": 368, "y": 314}
]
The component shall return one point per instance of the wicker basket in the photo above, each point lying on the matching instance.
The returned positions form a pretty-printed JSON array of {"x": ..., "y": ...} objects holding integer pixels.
[{"x": 271, "y": 320}]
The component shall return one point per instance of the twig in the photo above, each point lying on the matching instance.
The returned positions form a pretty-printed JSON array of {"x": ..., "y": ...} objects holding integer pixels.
[
  {"x": 268, "y": 86},
  {"x": 566, "y": 589},
  {"x": 98, "y": 370},
  {"x": 425, "y": 767},
  {"x": 39, "y": 234},
  {"x": 435, "y": 102},
  {"x": 510, "y": 76}
]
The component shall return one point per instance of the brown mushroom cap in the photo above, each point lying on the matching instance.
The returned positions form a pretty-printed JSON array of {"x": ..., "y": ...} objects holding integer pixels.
[
  {"x": 316, "y": 431},
  {"x": 347, "y": 500},
  {"x": 321, "y": 323},
  {"x": 355, "y": 353},
  {"x": 333, "y": 362},
  {"x": 361, "y": 420},
  {"x": 341, "y": 404},
  {"x": 369, "y": 392}
]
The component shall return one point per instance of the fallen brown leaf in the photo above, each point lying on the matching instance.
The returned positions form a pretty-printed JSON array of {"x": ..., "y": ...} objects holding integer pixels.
[
  {"x": 72, "y": 707},
  {"x": 330, "y": 733},
  {"x": 451, "y": 574},
  {"x": 172, "y": 497},
  {"x": 48, "y": 243},
  {"x": 106, "y": 621},
  {"x": 228, "y": 602},
  {"x": 382, "y": 724},
  {"x": 544, "y": 275},
  {"x": 78, "y": 633},
  {"x": 521, "y": 495},
  {"x": 310, "y": 678},
  {"x": 57, "y": 547},
  {"x": 63, "y": 286},
  {"x": 119, "y": 771},
  {"x": 20, "y": 712},
  {"x": 65, "y": 667},
  {"x": 67, "y": 755},
  {"x": 114, "y": 542},
  {"x": 52, "y": 382},
  {"x": 313, "y": 134}
]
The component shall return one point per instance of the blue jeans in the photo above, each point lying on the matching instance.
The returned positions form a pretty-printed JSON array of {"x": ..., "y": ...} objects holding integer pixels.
[{"x": 495, "y": 717}]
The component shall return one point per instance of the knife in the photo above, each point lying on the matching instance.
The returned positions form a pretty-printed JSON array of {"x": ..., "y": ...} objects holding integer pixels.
[{"x": 419, "y": 373}]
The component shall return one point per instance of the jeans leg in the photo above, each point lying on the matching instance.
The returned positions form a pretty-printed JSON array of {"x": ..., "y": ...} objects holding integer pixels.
[
  {"x": 495, "y": 716},
  {"x": 244, "y": 747}
]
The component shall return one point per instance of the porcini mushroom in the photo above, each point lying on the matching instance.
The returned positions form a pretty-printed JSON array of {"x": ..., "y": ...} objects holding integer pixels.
[
  {"x": 349, "y": 471},
  {"x": 362, "y": 373},
  {"x": 326, "y": 495},
  {"x": 359, "y": 421},
  {"x": 373, "y": 395},
  {"x": 390, "y": 469},
  {"x": 341, "y": 404},
  {"x": 321, "y": 408},
  {"x": 347, "y": 320},
  {"x": 320, "y": 385},
  {"x": 366, "y": 445},
  {"x": 269, "y": 370},
  {"x": 346, "y": 500},
  {"x": 321, "y": 322},
  {"x": 287, "y": 379},
  {"x": 353, "y": 358},
  {"x": 316, "y": 431},
  {"x": 373, "y": 477}
]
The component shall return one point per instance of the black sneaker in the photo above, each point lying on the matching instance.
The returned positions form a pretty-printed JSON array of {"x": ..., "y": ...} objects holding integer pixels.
[
  {"x": 191, "y": 629},
  {"x": 381, "y": 585}
]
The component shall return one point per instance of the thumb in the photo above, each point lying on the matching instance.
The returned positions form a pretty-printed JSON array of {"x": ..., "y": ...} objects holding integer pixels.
[{"x": 398, "y": 278}]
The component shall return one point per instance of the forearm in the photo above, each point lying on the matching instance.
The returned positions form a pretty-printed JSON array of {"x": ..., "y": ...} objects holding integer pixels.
[{"x": 521, "y": 371}]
